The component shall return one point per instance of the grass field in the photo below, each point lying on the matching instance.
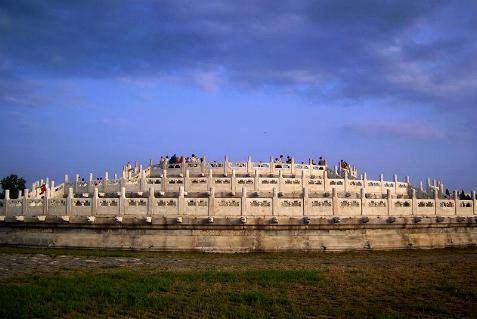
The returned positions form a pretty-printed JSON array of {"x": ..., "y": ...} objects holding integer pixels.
[{"x": 396, "y": 284}]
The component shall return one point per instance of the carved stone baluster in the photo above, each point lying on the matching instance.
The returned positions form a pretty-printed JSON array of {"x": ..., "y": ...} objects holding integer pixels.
[
  {"x": 211, "y": 208},
  {"x": 334, "y": 201},
  {"x": 122, "y": 201},
  {"x": 6, "y": 199},
  {"x": 243, "y": 210}
]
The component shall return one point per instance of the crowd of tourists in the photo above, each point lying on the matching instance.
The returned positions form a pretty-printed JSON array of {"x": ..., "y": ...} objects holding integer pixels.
[
  {"x": 281, "y": 160},
  {"x": 174, "y": 159},
  {"x": 194, "y": 159}
]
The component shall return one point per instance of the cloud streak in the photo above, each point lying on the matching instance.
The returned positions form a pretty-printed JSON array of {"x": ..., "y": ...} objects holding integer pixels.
[{"x": 403, "y": 129}]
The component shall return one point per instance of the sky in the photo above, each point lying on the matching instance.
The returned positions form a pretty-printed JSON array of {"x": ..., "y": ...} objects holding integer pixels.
[{"x": 388, "y": 86}]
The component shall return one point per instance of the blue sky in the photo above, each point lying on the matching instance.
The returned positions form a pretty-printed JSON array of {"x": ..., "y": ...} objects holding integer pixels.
[{"x": 390, "y": 86}]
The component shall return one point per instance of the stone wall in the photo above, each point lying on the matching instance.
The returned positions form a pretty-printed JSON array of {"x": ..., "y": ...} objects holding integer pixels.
[{"x": 350, "y": 235}]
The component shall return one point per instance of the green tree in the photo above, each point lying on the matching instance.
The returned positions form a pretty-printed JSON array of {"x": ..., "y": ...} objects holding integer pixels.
[{"x": 14, "y": 184}]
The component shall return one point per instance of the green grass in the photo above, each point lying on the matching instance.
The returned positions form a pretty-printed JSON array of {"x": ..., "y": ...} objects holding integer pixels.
[
  {"x": 144, "y": 294},
  {"x": 402, "y": 284}
]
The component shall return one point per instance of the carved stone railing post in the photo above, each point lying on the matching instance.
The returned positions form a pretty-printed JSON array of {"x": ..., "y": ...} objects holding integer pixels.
[
  {"x": 280, "y": 181},
  {"x": 122, "y": 183},
  {"x": 211, "y": 211},
  {"x": 122, "y": 201},
  {"x": 381, "y": 181},
  {"x": 456, "y": 202},
  {"x": 25, "y": 202},
  {"x": 414, "y": 202},
  {"x": 249, "y": 165},
  {"x": 325, "y": 181},
  {"x": 272, "y": 165},
  {"x": 45, "y": 201},
  {"x": 6, "y": 199},
  {"x": 187, "y": 180},
  {"x": 365, "y": 180},
  {"x": 345, "y": 182},
  {"x": 428, "y": 186},
  {"x": 151, "y": 202},
  {"x": 226, "y": 164},
  {"x": 233, "y": 182},
  {"x": 304, "y": 179},
  {"x": 474, "y": 202},
  {"x": 75, "y": 185},
  {"x": 164, "y": 181},
  {"x": 256, "y": 181},
  {"x": 243, "y": 206},
  {"x": 275, "y": 207},
  {"x": 69, "y": 201},
  {"x": 181, "y": 201},
  {"x": 395, "y": 184},
  {"x": 142, "y": 181},
  {"x": 388, "y": 201},
  {"x": 105, "y": 182},
  {"x": 90, "y": 183},
  {"x": 409, "y": 186},
  {"x": 66, "y": 184},
  {"x": 334, "y": 201},
  {"x": 436, "y": 201},
  {"x": 94, "y": 202},
  {"x": 362, "y": 197},
  {"x": 292, "y": 166},
  {"x": 183, "y": 166},
  {"x": 306, "y": 202},
  {"x": 204, "y": 166},
  {"x": 210, "y": 179}
]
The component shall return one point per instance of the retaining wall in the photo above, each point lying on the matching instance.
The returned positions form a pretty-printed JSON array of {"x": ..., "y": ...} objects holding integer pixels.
[{"x": 350, "y": 234}]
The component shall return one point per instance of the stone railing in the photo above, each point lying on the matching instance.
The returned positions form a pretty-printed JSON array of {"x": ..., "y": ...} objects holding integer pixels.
[
  {"x": 244, "y": 204},
  {"x": 231, "y": 177},
  {"x": 227, "y": 167},
  {"x": 317, "y": 182}
]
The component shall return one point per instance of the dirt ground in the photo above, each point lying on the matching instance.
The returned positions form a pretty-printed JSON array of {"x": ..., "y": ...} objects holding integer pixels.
[{"x": 23, "y": 261}]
